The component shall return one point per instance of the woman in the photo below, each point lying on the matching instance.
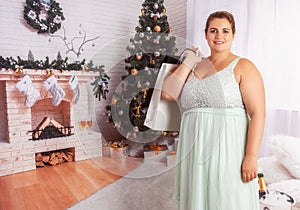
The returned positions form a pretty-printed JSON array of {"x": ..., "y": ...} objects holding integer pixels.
[{"x": 223, "y": 103}]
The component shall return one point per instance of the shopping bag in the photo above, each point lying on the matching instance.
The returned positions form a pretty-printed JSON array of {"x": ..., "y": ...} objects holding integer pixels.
[{"x": 163, "y": 115}]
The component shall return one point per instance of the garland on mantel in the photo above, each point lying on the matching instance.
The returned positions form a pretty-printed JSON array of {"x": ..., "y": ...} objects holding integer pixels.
[
  {"x": 100, "y": 82},
  {"x": 58, "y": 63}
]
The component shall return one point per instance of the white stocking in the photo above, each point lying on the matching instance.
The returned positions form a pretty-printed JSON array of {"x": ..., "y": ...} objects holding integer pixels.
[
  {"x": 26, "y": 87},
  {"x": 73, "y": 82},
  {"x": 56, "y": 91}
]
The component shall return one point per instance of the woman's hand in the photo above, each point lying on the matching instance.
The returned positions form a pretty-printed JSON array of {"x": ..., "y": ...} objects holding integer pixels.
[
  {"x": 249, "y": 168},
  {"x": 193, "y": 56}
]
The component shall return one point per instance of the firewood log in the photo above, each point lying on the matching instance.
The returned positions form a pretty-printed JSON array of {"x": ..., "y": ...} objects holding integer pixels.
[
  {"x": 58, "y": 125},
  {"x": 41, "y": 126}
]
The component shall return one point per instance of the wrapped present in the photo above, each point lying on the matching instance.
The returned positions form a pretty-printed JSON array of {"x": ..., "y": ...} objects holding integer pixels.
[
  {"x": 156, "y": 153},
  {"x": 115, "y": 150}
]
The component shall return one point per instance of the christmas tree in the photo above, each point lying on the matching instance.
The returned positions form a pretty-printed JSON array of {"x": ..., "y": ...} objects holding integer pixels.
[{"x": 148, "y": 49}]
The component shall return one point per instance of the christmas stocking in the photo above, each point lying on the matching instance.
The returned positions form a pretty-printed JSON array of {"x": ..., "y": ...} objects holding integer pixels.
[
  {"x": 56, "y": 91},
  {"x": 73, "y": 82},
  {"x": 26, "y": 87}
]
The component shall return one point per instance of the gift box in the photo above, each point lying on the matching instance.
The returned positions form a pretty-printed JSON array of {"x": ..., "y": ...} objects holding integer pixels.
[
  {"x": 118, "y": 152},
  {"x": 106, "y": 151},
  {"x": 156, "y": 153},
  {"x": 115, "y": 150}
]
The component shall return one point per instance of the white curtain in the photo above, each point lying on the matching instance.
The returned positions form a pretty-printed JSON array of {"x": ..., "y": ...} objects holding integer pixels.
[{"x": 268, "y": 33}]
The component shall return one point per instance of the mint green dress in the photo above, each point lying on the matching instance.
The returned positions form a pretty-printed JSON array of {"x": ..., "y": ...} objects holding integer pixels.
[{"x": 211, "y": 145}]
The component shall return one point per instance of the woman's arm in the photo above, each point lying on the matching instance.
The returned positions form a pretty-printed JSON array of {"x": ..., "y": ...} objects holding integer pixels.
[
  {"x": 253, "y": 93},
  {"x": 173, "y": 84}
]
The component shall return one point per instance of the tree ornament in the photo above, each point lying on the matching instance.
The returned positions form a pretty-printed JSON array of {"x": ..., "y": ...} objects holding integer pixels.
[
  {"x": 148, "y": 28},
  {"x": 155, "y": 17},
  {"x": 141, "y": 35},
  {"x": 138, "y": 57},
  {"x": 156, "y": 41},
  {"x": 134, "y": 71},
  {"x": 121, "y": 112},
  {"x": 114, "y": 101},
  {"x": 143, "y": 11},
  {"x": 153, "y": 62},
  {"x": 164, "y": 10},
  {"x": 118, "y": 124},
  {"x": 155, "y": 6},
  {"x": 137, "y": 109},
  {"x": 44, "y": 15},
  {"x": 135, "y": 129},
  {"x": 164, "y": 133},
  {"x": 156, "y": 54},
  {"x": 157, "y": 28},
  {"x": 138, "y": 84}
]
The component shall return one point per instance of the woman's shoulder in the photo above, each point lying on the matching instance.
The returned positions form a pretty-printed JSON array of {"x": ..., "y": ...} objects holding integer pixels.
[
  {"x": 245, "y": 65},
  {"x": 246, "y": 68}
]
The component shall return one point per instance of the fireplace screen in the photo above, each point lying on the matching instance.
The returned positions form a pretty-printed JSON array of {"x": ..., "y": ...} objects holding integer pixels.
[{"x": 50, "y": 128}]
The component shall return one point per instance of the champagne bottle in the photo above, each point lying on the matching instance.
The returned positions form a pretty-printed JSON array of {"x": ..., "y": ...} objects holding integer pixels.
[{"x": 263, "y": 190}]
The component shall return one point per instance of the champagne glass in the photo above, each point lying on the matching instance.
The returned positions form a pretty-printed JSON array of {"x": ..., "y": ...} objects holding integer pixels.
[
  {"x": 89, "y": 123},
  {"x": 82, "y": 124}
]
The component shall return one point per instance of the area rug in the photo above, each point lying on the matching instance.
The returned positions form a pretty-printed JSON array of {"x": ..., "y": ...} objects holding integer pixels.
[{"x": 150, "y": 186}]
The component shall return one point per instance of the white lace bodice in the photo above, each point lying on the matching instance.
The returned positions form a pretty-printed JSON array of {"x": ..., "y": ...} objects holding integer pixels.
[{"x": 219, "y": 90}]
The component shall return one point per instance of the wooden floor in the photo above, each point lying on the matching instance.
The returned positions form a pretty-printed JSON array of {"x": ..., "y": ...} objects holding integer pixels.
[{"x": 59, "y": 187}]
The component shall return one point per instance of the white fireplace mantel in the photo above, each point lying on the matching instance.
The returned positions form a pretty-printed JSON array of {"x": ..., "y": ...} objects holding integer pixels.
[{"x": 41, "y": 74}]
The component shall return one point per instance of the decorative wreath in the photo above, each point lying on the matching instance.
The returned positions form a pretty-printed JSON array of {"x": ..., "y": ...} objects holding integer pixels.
[{"x": 44, "y": 15}]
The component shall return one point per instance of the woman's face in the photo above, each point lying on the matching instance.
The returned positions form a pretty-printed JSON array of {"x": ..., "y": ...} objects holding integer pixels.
[{"x": 219, "y": 35}]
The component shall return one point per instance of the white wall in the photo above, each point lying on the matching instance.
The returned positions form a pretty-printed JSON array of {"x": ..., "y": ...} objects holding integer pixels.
[{"x": 113, "y": 21}]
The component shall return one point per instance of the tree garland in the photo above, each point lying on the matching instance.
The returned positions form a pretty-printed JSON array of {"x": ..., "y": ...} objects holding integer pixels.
[{"x": 44, "y": 15}]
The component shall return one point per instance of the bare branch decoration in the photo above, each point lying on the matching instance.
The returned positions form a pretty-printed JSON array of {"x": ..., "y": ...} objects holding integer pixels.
[{"x": 70, "y": 45}]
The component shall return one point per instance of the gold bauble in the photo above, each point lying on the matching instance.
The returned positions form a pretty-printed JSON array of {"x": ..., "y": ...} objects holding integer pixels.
[
  {"x": 164, "y": 133},
  {"x": 164, "y": 10},
  {"x": 143, "y": 11},
  {"x": 19, "y": 70},
  {"x": 153, "y": 62},
  {"x": 114, "y": 101},
  {"x": 49, "y": 72},
  {"x": 157, "y": 28},
  {"x": 134, "y": 71},
  {"x": 138, "y": 57}
]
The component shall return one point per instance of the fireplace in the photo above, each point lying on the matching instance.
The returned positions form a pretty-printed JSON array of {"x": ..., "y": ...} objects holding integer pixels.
[{"x": 24, "y": 131}]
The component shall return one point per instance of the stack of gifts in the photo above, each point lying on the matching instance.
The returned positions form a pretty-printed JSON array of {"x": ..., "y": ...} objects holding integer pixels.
[{"x": 115, "y": 150}]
